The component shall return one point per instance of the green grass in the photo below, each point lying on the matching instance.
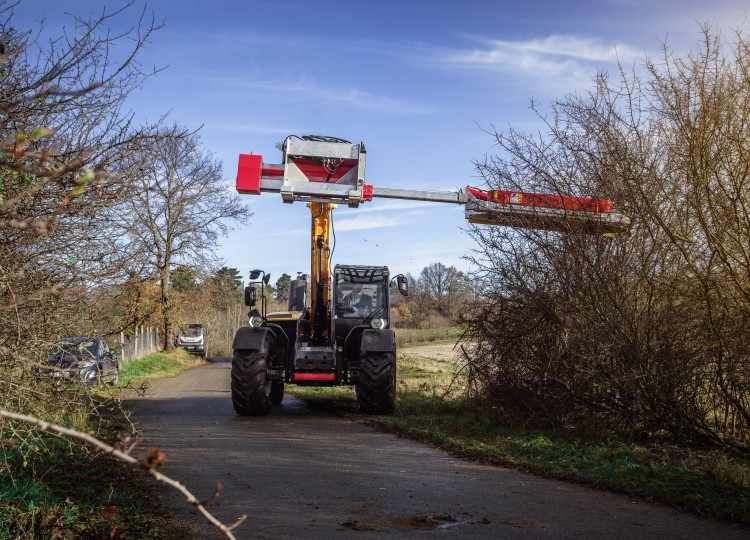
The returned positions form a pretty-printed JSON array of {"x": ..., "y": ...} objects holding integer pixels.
[
  {"x": 51, "y": 487},
  {"x": 707, "y": 482},
  {"x": 158, "y": 365},
  {"x": 431, "y": 408},
  {"x": 414, "y": 336}
]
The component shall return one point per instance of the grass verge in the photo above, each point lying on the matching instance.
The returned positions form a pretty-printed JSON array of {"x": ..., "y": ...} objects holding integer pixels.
[
  {"x": 158, "y": 365},
  {"x": 431, "y": 408},
  {"x": 51, "y": 487},
  {"x": 419, "y": 336}
]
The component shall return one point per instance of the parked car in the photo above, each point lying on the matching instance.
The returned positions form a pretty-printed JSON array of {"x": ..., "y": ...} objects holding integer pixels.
[
  {"x": 192, "y": 338},
  {"x": 83, "y": 359}
]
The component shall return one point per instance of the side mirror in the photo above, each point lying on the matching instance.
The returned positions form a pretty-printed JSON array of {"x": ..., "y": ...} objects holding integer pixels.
[
  {"x": 403, "y": 285},
  {"x": 266, "y": 278},
  {"x": 254, "y": 274},
  {"x": 250, "y": 296}
]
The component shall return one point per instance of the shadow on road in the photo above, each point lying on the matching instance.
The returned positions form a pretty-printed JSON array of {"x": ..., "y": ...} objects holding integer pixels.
[{"x": 219, "y": 359}]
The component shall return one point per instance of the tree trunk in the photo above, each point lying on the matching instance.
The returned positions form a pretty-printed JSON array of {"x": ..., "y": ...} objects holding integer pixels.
[{"x": 166, "y": 310}]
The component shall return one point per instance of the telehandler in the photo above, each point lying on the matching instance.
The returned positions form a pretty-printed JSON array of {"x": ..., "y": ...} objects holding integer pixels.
[{"x": 344, "y": 335}]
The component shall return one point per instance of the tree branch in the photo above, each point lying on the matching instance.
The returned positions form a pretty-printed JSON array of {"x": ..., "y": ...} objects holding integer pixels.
[{"x": 154, "y": 459}]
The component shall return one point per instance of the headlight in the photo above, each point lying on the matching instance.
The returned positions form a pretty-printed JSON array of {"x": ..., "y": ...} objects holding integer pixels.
[
  {"x": 83, "y": 364},
  {"x": 378, "y": 324},
  {"x": 256, "y": 322},
  {"x": 87, "y": 374}
]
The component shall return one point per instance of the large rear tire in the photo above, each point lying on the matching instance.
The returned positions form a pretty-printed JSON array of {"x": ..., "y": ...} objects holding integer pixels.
[
  {"x": 376, "y": 391},
  {"x": 251, "y": 388}
]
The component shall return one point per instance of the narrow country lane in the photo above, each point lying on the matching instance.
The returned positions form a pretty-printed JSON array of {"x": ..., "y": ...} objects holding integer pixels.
[{"x": 299, "y": 473}]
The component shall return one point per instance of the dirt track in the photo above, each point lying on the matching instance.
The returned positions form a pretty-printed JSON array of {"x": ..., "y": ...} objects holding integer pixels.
[{"x": 300, "y": 473}]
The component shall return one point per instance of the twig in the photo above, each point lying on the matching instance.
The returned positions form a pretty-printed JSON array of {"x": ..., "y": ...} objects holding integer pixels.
[{"x": 154, "y": 459}]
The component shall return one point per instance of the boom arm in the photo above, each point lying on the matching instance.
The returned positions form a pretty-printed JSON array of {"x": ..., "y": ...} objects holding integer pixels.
[
  {"x": 325, "y": 170},
  {"x": 320, "y": 271}
]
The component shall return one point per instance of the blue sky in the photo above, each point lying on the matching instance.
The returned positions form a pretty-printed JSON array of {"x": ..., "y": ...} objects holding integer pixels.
[{"x": 418, "y": 82}]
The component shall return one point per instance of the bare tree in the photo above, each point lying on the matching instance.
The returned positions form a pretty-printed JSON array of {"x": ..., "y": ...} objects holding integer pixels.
[
  {"x": 62, "y": 125},
  {"x": 442, "y": 286},
  {"x": 179, "y": 206},
  {"x": 643, "y": 333},
  {"x": 63, "y": 130}
]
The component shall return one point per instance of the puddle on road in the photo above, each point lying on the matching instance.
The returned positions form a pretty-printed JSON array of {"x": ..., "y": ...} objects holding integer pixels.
[{"x": 407, "y": 523}]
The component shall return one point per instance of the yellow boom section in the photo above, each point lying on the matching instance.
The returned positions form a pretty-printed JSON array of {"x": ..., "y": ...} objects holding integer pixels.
[{"x": 320, "y": 271}]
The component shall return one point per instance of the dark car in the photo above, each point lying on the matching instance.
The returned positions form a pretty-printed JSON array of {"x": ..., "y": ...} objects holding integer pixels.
[{"x": 83, "y": 359}]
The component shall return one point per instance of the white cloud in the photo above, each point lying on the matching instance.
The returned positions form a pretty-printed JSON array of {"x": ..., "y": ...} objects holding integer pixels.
[
  {"x": 374, "y": 222},
  {"x": 367, "y": 100},
  {"x": 380, "y": 205},
  {"x": 575, "y": 47},
  {"x": 553, "y": 57},
  {"x": 283, "y": 232},
  {"x": 244, "y": 127},
  {"x": 306, "y": 88}
]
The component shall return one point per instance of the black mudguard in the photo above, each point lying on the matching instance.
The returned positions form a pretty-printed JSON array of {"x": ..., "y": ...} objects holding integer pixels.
[
  {"x": 248, "y": 338},
  {"x": 378, "y": 340}
]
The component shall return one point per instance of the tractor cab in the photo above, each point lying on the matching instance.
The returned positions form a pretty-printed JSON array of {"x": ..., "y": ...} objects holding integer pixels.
[{"x": 361, "y": 296}]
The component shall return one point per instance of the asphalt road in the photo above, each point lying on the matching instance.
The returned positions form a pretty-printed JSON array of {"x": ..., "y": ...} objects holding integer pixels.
[{"x": 300, "y": 473}]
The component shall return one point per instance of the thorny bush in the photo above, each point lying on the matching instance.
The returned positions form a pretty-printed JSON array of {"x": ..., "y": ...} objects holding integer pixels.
[{"x": 644, "y": 334}]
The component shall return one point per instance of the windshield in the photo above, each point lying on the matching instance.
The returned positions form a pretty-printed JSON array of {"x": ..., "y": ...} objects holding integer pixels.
[
  {"x": 357, "y": 300},
  {"x": 192, "y": 331},
  {"x": 77, "y": 348}
]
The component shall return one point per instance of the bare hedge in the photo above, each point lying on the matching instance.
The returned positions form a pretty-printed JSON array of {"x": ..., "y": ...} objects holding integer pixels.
[{"x": 644, "y": 334}]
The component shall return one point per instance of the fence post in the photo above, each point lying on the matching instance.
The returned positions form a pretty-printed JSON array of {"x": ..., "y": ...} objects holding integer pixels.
[
  {"x": 122, "y": 348},
  {"x": 135, "y": 342}
]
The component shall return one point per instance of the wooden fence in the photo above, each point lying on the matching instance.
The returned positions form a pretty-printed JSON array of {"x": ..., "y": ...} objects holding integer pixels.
[{"x": 141, "y": 343}]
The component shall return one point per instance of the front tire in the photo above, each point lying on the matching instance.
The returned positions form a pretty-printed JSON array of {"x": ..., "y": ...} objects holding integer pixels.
[
  {"x": 376, "y": 391},
  {"x": 251, "y": 388}
]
